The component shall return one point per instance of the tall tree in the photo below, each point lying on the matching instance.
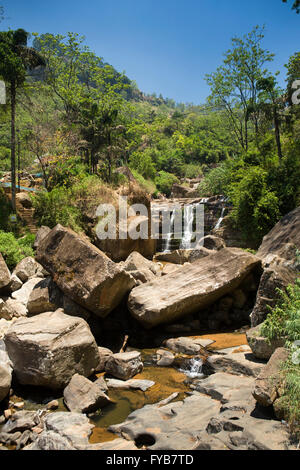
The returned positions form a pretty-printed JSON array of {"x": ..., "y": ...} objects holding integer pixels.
[
  {"x": 15, "y": 59},
  {"x": 296, "y": 5}
]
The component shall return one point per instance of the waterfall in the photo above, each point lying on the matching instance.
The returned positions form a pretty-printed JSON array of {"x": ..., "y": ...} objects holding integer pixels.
[
  {"x": 188, "y": 227},
  {"x": 218, "y": 224},
  {"x": 169, "y": 235},
  {"x": 194, "y": 369}
]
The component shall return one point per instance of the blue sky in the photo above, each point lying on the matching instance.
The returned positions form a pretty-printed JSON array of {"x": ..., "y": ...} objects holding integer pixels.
[{"x": 165, "y": 46}]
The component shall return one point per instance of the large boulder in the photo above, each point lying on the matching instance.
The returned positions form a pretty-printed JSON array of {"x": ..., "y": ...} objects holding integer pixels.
[
  {"x": 48, "y": 349},
  {"x": 83, "y": 272},
  {"x": 5, "y": 372},
  {"x": 267, "y": 383},
  {"x": 191, "y": 289},
  {"x": 261, "y": 347},
  {"x": 4, "y": 273},
  {"x": 40, "y": 235},
  {"x": 28, "y": 268},
  {"x": 83, "y": 396},
  {"x": 140, "y": 268}
]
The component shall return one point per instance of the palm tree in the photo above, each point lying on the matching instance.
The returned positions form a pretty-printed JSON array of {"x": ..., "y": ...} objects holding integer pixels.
[{"x": 15, "y": 60}]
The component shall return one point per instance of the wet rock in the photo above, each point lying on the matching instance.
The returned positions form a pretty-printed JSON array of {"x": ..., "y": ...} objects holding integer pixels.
[
  {"x": 267, "y": 383},
  {"x": 104, "y": 355},
  {"x": 83, "y": 396},
  {"x": 115, "y": 445},
  {"x": 28, "y": 268},
  {"x": 124, "y": 365},
  {"x": 260, "y": 346},
  {"x": 44, "y": 297},
  {"x": 134, "y": 384},
  {"x": 191, "y": 289},
  {"x": 83, "y": 272},
  {"x": 164, "y": 358},
  {"x": 5, "y": 275},
  {"x": 48, "y": 349}
]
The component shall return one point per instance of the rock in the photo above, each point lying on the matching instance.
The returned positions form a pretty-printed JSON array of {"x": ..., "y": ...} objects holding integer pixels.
[
  {"x": 104, "y": 354},
  {"x": 174, "y": 426},
  {"x": 12, "y": 308},
  {"x": 134, "y": 384},
  {"x": 239, "y": 298},
  {"x": 272, "y": 279},
  {"x": 44, "y": 297},
  {"x": 182, "y": 345},
  {"x": 101, "y": 383},
  {"x": 24, "y": 199},
  {"x": 72, "y": 308},
  {"x": 52, "y": 405},
  {"x": 115, "y": 445},
  {"x": 23, "y": 294},
  {"x": 10, "y": 439},
  {"x": 164, "y": 358},
  {"x": 286, "y": 231},
  {"x": 5, "y": 275},
  {"x": 21, "y": 421},
  {"x": 5, "y": 381},
  {"x": 83, "y": 396},
  {"x": 15, "y": 283},
  {"x": 266, "y": 385},
  {"x": 28, "y": 268},
  {"x": 170, "y": 268},
  {"x": 48, "y": 349},
  {"x": 225, "y": 387},
  {"x": 260, "y": 346},
  {"x": 124, "y": 365},
  {"x": 4, "y": 326},
  {"x": 179, "y": 191},
  {"x": 75, "y": 427},
  {"x": 137, "y": 262},
  {"x": 40, "y": 235},
  {"x": 83, "y": 272},
  {"x": 49, "y": 440},
  {"x": 236, "y": 363},
  {"x": 191, "y": 289}
]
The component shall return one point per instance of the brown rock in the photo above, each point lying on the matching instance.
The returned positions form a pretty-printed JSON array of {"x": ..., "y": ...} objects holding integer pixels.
[
  {"x": 124, "y": 365},
  {"x": 83, "y": 396},
  {"x": 4, "y": 273},
  {"x": 83, "y": 272},
  {"x": 45, "y": 297}
]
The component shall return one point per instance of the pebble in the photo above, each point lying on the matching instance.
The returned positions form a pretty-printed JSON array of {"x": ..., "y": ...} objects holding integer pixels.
[{"x": 52, "y": 405}]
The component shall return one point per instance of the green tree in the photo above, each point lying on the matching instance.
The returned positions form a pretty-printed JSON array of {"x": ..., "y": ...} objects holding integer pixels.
[
  {"x": 296, "y": 5},
  {"x": 15, "y": 59}
]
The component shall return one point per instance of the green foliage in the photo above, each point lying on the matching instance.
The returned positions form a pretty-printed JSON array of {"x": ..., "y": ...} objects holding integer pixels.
[
  {"x": 284, "y": 319},
  {"x": 13, "y": 249},
  {"x": 148, "y": 185},
  {"x": 164, "y": 182},
  {"x": 192, "y": 170},
  {"x": 143, "y": 163},
  {"x": 64, "y": 172},
  {"x": 216, "y": 181},
  {"x": 290, "y": 399}
]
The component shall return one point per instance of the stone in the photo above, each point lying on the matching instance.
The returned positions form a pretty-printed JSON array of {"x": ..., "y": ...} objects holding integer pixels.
[
  {"x": 15, "y": 283},
  {"x": 72, "y": 308},
  {"x": 124, "y": 365},
  {"x": 101, "y": 383},
  {"x": 4, "y": 326},
  {"x": 104, "y": 354},
  {"x": 27, "y": 269},
  {"x": 239, "y": 298},
  {"x": 164, "y": 358},
  {"x": 40, "y": 235},
  {"x": 191, "y": 289},
  {"x": 23, "y": 294},
  {"x": 134, "y": 384},
  {"x": 83, "y": 396},
  {"x": 261, "y": 347},
  {"x": 44, "y": 297},
  {"x": 5, "y": 275},
  {"x": 12, "y": 308},
  {"x": 267, "y": 383},
  {"x": 24, "y": 199},
  {"x": 5, "y": 381},
  {"x": 236, "y": 363},
  {"x": 21, "y": 421},
  {"x": 50, "y": 440},
  {"x": 74, "y": 427},
  {"x": 170, "y": 268},
  {"x": 48, "y": 349},
  {"x": 52, "y": 405},
  {"x": 83, "y": 272},
  {"x": 182, "y": 345}
]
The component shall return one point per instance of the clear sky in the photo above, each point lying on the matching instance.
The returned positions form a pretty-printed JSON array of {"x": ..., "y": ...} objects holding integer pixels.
[{"x": 166, "y": 46}]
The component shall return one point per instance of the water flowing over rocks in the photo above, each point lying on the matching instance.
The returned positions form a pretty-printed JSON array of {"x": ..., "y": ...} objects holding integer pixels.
[
  {"x": 83, "y": 272},
  {"x": 192, "y": 288},
  {"x": 48, "y": 349}
]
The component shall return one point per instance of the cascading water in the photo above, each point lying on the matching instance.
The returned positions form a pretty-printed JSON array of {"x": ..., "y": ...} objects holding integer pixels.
[
  {"x": 218, "y": 224},
  {"x": 188, "y": 227},
  {"x": 169, "y": 235},
  {"x": 194, "y": 368}
]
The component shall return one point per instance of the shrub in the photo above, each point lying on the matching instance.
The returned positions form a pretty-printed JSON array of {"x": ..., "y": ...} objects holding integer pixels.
[
  {"x": 192, "y": 170},
  {"x": 164, "y": 182},
  {"x": 216, "y": 181},
  {"x": 13, "y": 249},
  {"x": 142, "y": 162}
]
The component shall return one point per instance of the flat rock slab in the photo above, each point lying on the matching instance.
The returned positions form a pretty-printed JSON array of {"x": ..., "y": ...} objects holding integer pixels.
[
  {"x": 225, "y": 387},
  {"x": 171, "y": 427},
  {"x": 191, "y": 289},
  {"x": 134, "y": 384},
  {"x": 186, "y": 345},
  {"x": 83, "y": 272},
  {"x": 48, "y": 349},
  {"x": 236, "y": 363}
]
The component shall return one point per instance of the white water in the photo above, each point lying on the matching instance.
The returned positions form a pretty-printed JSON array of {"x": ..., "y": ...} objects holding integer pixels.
[
  {"x": 169, "y": 235},
  {"x": 194, "y": 369},
  {"x": 188, "y": 227},
  {"x": 218, "y": 224}
]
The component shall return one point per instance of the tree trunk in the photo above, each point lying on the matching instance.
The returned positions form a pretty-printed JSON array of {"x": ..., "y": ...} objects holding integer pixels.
[
  {"x": 277, "y": 133},
  {"x": 13, "y": 144}
]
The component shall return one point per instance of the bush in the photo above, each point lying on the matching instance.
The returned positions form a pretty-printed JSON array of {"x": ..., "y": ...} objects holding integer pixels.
[
  {"x": 64, "y": 172},
  {"x": 216, "y": 181},
  {"x": 14, "y": 250},
  {"x": 142, "y": 162},
  {"x": 147, "y": 185},
  {"x": 164, "y": 182},
  {"x": 192, "y": 170}
]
